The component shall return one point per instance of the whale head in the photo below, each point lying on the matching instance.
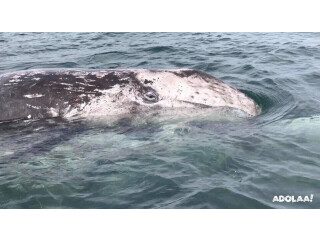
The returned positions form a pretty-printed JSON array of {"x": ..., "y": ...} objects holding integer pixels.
[
  {"x": 133, "y": 91},
  {"x": 187, "y": 89}
]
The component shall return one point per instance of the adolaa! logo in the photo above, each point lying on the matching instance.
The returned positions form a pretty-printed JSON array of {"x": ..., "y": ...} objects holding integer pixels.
[{"x": 292, "y": 199}]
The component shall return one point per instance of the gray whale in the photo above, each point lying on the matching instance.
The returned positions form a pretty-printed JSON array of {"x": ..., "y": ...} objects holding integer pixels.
[{"x": 68, "y": 93}]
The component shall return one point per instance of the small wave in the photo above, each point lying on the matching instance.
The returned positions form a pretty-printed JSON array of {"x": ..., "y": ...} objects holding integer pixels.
[
  {"x": 261, "y": 99},
  {"x": 221, "y": 198},
  {"x": 158, "y": 49}
]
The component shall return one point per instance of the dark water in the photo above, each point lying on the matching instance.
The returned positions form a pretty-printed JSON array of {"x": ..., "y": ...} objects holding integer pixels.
[{"x": 194, "y": 162}]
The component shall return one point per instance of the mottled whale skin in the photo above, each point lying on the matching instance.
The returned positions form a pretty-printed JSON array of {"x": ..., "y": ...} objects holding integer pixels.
[{"x": 68, "y": 93}]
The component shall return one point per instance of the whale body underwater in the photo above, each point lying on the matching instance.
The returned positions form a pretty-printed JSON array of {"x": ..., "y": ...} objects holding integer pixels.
[{"x": 68, "y": 93}]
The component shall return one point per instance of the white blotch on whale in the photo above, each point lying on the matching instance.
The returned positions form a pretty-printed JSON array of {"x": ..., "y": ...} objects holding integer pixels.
[{"x": 33, "y": 95}]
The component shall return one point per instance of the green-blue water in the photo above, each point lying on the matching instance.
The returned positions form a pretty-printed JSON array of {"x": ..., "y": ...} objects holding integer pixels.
[{"x": 193, "y": 162}]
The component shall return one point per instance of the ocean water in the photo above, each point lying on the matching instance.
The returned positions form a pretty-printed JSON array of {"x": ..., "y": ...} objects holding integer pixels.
[{"x": 201, "y": 161}]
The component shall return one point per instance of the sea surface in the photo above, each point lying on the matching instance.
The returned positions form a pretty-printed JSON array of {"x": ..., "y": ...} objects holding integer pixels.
[{"x": 196, "y": 161}]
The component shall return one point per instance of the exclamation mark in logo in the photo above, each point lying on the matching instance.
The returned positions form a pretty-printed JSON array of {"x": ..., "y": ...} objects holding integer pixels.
[{"x": 311, "y": 197}]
